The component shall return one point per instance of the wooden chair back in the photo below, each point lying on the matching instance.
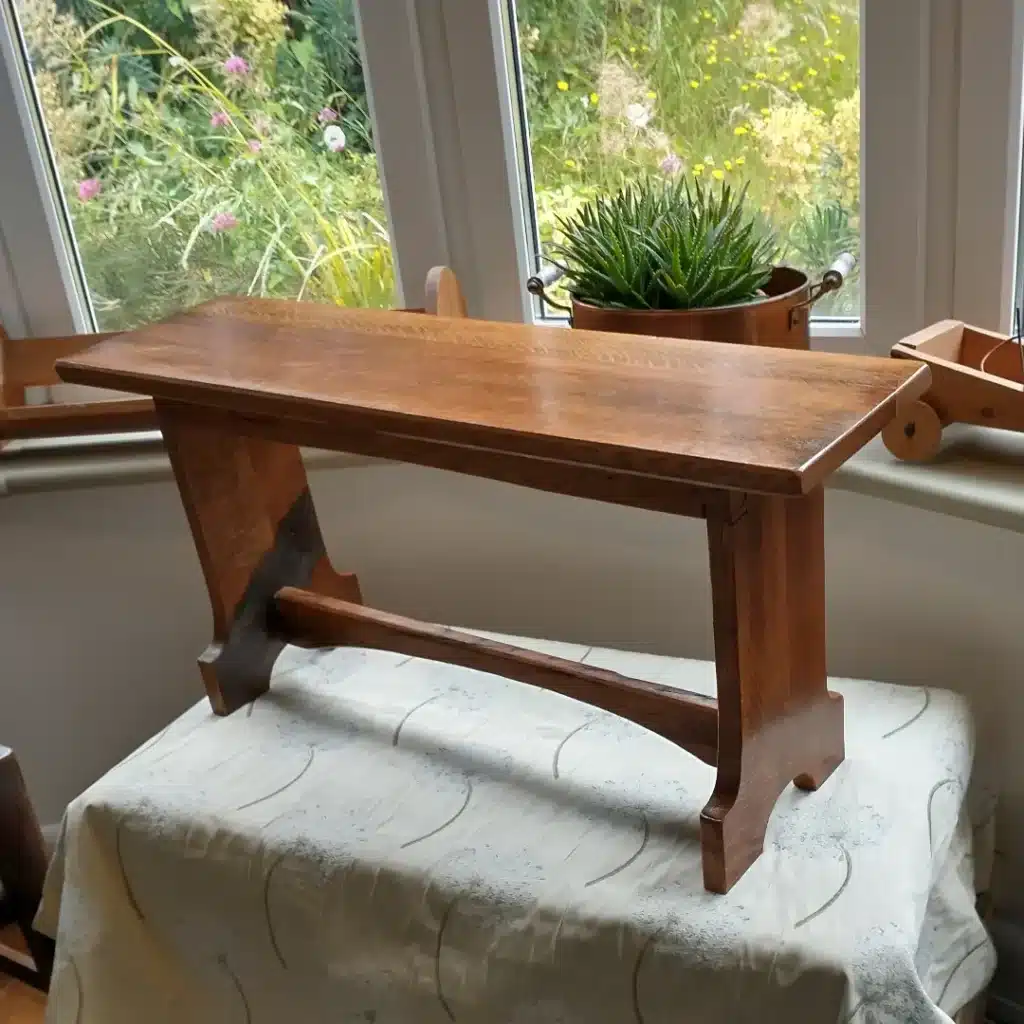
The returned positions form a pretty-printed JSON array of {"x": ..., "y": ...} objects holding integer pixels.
[
  {"x": 27, "y": 363},
  {"x": 23, "y": 862}
]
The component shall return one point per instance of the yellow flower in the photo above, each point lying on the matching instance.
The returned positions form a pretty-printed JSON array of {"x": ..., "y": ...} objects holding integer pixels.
[
  {"x": 772, "y": 50},
  {"x": 594, "y": 98},
  {"x": 694, "y": 84},
  {"x": 698, "y": 169},
  {"x": 744, "y": 87},
  {"x": 645, "y": 48},
  {"x": 827, "y": 59},
  {"x": 803, "y": 39},
  {"x": 728, "y": 165},
  {"x": 734, "y": 35},
  {"x": 570, "y": 164},
  {"x": 828, "y": 42},
  {"x": 651, "y": 94},
  {"x": 760, "y": 76},
  {"x": 740, "y": 129},
  {"x": 712, "y": 59},
  {"x": 707, "y": 16},
  {"x": 718, "y": 175},
  {"x": 707, "y": 77},
  {"x": 766, "y": 110},
  {"x": 632, "y": 49},
  {"x": 812, "y": 72},
  {"x": 835, "y": 18},
  {"x": 840, "y": 57},
  {"x": 784, "y": 76},
  {"x": 740, "y": 161},
  {"x": 563, "y": 86},
  {"x": 795, "y": 87},
  {"x": 791, "y": 142}
]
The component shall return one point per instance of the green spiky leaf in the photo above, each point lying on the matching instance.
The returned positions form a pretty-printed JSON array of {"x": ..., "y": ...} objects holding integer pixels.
[{"x": 666, "y": 245}]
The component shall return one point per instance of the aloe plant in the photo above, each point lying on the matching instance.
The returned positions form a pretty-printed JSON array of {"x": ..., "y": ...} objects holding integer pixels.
[{"x": 666, "y": 245}]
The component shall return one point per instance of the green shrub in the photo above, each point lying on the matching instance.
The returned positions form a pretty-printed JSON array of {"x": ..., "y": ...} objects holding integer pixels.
[{"x": 712, "y": 90}]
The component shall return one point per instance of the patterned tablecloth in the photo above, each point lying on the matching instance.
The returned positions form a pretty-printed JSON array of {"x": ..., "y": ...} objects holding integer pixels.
[{"x": 385, "y": 840}]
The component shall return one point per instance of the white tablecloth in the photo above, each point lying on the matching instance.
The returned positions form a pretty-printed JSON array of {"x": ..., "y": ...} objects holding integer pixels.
[{"x": 385, "y": 840}]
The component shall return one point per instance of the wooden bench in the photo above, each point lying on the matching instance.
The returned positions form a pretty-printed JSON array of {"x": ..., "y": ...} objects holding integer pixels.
[{"x": 742, "y": 437}]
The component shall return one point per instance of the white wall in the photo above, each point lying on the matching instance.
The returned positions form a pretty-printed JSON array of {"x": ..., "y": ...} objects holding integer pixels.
[{"x": 104, "y": 609}]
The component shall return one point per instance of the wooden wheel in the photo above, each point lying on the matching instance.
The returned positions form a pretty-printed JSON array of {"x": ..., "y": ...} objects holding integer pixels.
[
  {"x": 444, "y": 296},
  {"x": 915, "y": 433}
]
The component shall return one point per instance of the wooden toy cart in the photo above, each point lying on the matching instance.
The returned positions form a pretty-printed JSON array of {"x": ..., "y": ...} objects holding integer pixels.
[{"x": 977, "y": 377}]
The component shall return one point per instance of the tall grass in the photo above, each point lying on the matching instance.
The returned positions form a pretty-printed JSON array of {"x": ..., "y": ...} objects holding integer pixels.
[{"x": 764, "y": 91}]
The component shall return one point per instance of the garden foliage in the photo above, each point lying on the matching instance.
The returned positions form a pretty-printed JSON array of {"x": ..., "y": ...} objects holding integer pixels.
[{"x": 214, "y": 146}]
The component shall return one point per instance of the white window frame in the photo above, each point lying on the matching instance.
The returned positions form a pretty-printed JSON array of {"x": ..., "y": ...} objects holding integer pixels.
[
  {"x": 941, "y": 166},
  {"x": 989, "y": 163}
]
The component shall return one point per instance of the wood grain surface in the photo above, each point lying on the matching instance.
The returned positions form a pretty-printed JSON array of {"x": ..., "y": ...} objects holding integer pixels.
[{"x": 733, "y": 416}]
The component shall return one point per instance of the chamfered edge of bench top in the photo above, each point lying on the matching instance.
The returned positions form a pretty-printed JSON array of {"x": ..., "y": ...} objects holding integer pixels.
[{"x": 742, "y": 417}]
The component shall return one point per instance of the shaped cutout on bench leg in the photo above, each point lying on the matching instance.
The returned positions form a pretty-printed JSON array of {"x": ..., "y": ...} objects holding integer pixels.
[
  {"x": 255, "y": 528},
  {"x": 777, "y": 721}
]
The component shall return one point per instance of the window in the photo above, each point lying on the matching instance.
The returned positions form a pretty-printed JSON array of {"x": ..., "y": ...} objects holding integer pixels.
[
  {"x": 210, "y": 148},
  {"x": 156, "y": 153},
  {"x": 755, "y": 94},
  {"x": 163, "y": 153}
]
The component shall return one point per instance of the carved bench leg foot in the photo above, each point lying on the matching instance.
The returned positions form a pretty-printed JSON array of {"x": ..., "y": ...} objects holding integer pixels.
[
  {"x": 777, "y": 721},
  {"x": 255, "y": 528}
]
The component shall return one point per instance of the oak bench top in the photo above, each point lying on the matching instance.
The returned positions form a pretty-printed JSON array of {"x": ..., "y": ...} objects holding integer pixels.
[{"x": 730, "y": 416}]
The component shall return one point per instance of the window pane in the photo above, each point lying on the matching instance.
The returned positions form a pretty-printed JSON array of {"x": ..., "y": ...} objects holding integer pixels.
[
  {"x": 725, "y": 90},
  {"x": 207, "y": 147}
]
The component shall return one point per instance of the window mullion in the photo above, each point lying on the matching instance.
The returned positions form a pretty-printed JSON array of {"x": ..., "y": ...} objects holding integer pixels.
[
  {"x": 485, "y": 111},
  {"x": 989, "y": 164},
  {"x": 41, "y": 268},
  {"x": 397, "y": 93}
]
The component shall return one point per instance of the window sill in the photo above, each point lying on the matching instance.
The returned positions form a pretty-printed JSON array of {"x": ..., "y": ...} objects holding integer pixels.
[
  {"x": 978, "y": 475},
  {"x": 110, "y": 460}
]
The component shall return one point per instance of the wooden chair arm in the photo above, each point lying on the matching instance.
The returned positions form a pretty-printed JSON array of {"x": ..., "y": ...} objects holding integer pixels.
[
  {"x": 76, "y": 418},
  {"x": 23, "y": 863}
]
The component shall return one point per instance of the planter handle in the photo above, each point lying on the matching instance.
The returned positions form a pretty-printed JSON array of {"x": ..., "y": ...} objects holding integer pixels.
[
  {"x": 831, "y": 281},
  {"x": 545, "y": 278}
]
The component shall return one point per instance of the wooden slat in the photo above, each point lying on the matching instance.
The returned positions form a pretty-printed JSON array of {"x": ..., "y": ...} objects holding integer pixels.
[
  {"x": 636, "y": 490},
  {"x": 687, "y": 719},
  {"x": 65, "y": 420}
]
